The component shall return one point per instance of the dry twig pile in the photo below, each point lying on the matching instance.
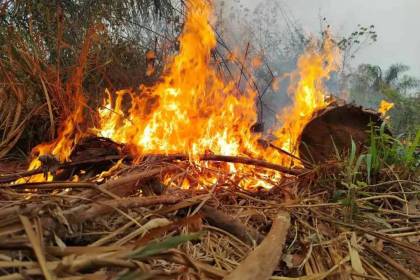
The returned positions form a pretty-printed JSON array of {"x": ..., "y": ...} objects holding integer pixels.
[{"x": 126, "y": 224}]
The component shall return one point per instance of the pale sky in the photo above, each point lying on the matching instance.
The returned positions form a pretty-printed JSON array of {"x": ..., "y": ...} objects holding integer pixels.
[{"x": 397, "y": 23}]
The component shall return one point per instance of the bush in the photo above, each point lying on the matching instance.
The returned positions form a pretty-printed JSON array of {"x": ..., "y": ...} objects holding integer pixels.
[{"x": 54, "y": 51}]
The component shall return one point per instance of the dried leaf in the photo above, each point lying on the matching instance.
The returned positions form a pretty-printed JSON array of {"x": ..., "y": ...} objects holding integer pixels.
[
  {"x": 413, "y": 206},
  {"x": 36, "y": 247},
  {"x": 379, "y": 245},
  {"x": 59, "y": 242},
  {"x": 155, "y": 223},
  {"x": 293, "y": 260},
  {"x": 356, "y": 262}
]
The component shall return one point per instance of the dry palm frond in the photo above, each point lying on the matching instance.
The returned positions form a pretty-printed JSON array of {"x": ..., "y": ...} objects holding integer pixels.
[{"x": 11, "y": 123}]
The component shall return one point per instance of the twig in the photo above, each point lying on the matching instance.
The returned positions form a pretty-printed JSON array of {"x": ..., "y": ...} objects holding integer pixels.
[
  {"x": 221, "y": 220},
  {"x": 391, "y": 262},
  {"x": 36, "y": 247},
  {"x": 96, "y": 209},
  {"x": 50, "y": 186},
  {"x": 405, "y": 245},
  {"x": 14, "y": 276},
  {"x": 242, "y": 66},
  {"x": 14, "y": 177},
  {"x": 234, "y": 159},
  {"x": 264, "y": 142}
]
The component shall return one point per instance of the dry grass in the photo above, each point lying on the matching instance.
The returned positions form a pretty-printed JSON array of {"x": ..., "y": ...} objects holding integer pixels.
[
  {"x": 53, "y": 53},
  {"x": 93, "y": 232}
]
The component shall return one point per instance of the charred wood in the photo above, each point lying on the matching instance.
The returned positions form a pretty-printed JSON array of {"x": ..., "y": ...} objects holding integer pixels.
[{"x": 332, "y": 129}]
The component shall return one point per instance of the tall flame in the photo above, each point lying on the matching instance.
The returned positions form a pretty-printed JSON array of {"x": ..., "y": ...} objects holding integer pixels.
[
  {"x": 193, "y": 110},
  {"x": 307, "y": 92}
]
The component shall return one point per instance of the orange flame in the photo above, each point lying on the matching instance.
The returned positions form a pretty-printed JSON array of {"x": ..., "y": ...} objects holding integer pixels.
[
  {"x": 194, "y": 111},
  {"x": 61, "y": 148},
  {"x": 384, "y": 107},
  {"x": 69, "y": 132},
  {"x": 308, "y": 93}
]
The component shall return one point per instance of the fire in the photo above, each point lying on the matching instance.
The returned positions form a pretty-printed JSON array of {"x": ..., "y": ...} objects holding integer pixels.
[
  {"x": 69, "y": 130},
  {"x": 61, "y": 148},
  {"x": 384, "y": 107},
  {"x": 193, "y": 111},
  {"x": 307, "y": 92}
]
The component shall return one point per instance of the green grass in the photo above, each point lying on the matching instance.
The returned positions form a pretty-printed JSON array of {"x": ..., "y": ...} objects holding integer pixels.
[{"x": 371, "y": 165}]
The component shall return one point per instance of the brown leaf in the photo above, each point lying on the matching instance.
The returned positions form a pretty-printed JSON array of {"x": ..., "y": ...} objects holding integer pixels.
[
  {"x": 379, "y": 245},
  {"x": 413, "y": 206}
]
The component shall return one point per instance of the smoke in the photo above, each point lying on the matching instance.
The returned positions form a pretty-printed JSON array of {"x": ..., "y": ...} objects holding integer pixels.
[{"x": 266, "y": 30}]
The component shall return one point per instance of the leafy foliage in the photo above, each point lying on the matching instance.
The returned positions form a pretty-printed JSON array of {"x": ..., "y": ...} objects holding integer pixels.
[
  {"x": 385, "y": 150},
  {"x": 361, "y": 170},
  {"x": 370, "y": 84}
]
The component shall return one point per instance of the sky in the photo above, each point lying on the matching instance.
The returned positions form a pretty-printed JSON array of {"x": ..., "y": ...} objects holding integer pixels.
[{"x": 397, "y": 23}]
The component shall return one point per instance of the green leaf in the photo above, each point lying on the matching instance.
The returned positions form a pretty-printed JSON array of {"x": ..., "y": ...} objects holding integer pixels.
[
  {"x": 368, "y": 166},
  {"x": 347, "y": 202},
  {"x": 352, "y": 152},
  {"x": 361, "y": 184},
  {"x": 409, "y": 157},
  {"x": 337, "y": 153},
  {"x": 357, "y": 166},
  {"x": 382, "y": 129},
  {"x": 155, "y": 248}
]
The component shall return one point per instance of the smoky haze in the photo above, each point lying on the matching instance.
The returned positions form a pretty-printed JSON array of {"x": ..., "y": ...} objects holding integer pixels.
[{"x": 397, "y": 24}]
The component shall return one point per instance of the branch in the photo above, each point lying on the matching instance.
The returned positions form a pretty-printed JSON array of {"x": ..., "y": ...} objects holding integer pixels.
[
  {"x": 221, "y": 220},
  {"x": 234, "y": 159},
  {"x": 164, "y": 158},
  {"x": 100, "y": 208},
  {"x": 65, "y": 165}
]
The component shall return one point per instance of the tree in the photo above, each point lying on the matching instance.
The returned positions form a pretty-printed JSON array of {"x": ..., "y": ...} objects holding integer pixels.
[{"x": 370, "y": 84}]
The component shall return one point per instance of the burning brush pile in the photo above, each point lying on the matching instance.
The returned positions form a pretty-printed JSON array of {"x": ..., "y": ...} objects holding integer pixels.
[{"x": 177, "y": 181}]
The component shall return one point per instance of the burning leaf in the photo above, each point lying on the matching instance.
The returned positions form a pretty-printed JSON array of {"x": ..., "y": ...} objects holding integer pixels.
[
  {"x": 355, "y": 260},
  {"x": 384, "y": 107}
]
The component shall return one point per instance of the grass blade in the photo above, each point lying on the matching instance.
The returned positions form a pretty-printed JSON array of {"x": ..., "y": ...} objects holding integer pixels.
[{"x": 155, "y": 248}]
